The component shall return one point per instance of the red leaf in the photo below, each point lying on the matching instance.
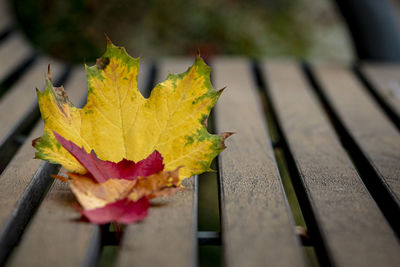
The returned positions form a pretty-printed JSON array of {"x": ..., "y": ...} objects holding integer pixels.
[
  {"x": 102, "y": 170},
  {"x": 122, "y": 211},
  {"x": 150, "y": 165}
]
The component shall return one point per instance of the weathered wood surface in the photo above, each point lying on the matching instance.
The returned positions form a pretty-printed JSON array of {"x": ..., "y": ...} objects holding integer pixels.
[
  {"x": 343, "y": 208},
  {"x": 55, "y": 237},
  {"x": 167, "y": 237},
  {"x": 257, "y": 228},
  {"x": 385, "y": 79},
  {"x": 21, "y": 186},
  {"x": 20, "y": 100},
  {"x": 14, "y": 51},
  {"x": 375, "y": 135}
]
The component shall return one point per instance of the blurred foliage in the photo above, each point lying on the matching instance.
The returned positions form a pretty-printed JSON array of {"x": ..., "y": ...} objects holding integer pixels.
[{"x": 74, "y": 30}]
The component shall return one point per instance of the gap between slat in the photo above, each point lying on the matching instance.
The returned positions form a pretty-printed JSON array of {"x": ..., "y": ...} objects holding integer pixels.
[
  {"x": 369, "y": 88},
  {"x": 209, "y": 220}
]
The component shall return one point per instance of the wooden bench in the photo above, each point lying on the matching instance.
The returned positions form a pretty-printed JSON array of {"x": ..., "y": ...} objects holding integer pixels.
[{"x": 316, "y": 145}]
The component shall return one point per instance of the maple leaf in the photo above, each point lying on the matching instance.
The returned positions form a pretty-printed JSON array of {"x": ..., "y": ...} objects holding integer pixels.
[
  {"x": 118, "y": 192},
  {"x": 121, "y": 200},
  {"x": 156, "y": 185},
  {"x": 121, "y": 211},
  {"x": 106, "y": 182},
  {"x": 118, "y": 122},
  {"x": 101, "y": 170},
  {"x": 93, "y": 195}
]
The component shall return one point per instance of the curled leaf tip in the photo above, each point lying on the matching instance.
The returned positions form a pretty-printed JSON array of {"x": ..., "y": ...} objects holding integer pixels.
[
  {"x": 220, "y": 91},
  {"x": 225, "y": 135},
  {"x": 49, "y": 76},
  {"x": 102, "y": 62},
  {"x": 109, "y": 43},
  {"x": 59, "y": 177},
  {"x": 34, "y": 141}
]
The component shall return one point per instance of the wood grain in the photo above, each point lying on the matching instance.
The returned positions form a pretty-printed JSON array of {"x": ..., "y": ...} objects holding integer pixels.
[
  {"x": 375, "y": 135},
  {"x": 22, "y": 185},
  {"x": 257, "y": 227},
  {"x": 167, "y": 237},
  {"x": 57, "y": 235},
  {"x": 385, "y": 79},
  {"x": 343, "y": 208},
  {"x": 14, "y": 50}
]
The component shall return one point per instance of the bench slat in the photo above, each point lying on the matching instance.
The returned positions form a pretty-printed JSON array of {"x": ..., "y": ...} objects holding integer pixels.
[
  {"x": 385, "y": 79},
  {"x": 21, "y": 186},
  {"x": 257, "y": 228},
  {"x": 167, "y": 237},
  {"x": 56, "y": 233},
  {"x": 375, "y": 135},
  {"x": 24, "y": 181},
  {"x": 13, "y": 52},
  {"x": 342, "y": 206}
]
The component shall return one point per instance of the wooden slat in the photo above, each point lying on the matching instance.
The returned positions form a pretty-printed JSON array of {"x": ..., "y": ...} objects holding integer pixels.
[
  {"x": 167, "y": 237},
  {"x": 374, "y": 134},
  {"x": 19, "y": 102},
  {"x": 385, "y": 79},
  {"x": 353, "y": 228},
  {"x": 257, "y": 228},
  {"x": 21, "y": 187},
  {"x": 57, "y": 236},
  {"x": 13, "y": 52},
  {"x": 144, "y": 75},
  {"x": 23, "y": 183}
]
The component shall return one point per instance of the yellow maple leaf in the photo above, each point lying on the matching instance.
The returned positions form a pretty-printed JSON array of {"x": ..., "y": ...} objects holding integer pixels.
[{"x": 118, "y": 122}]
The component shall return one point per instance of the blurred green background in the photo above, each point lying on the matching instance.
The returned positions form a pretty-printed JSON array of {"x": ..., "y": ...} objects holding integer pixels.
[{"x": 74, "y": 30}]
